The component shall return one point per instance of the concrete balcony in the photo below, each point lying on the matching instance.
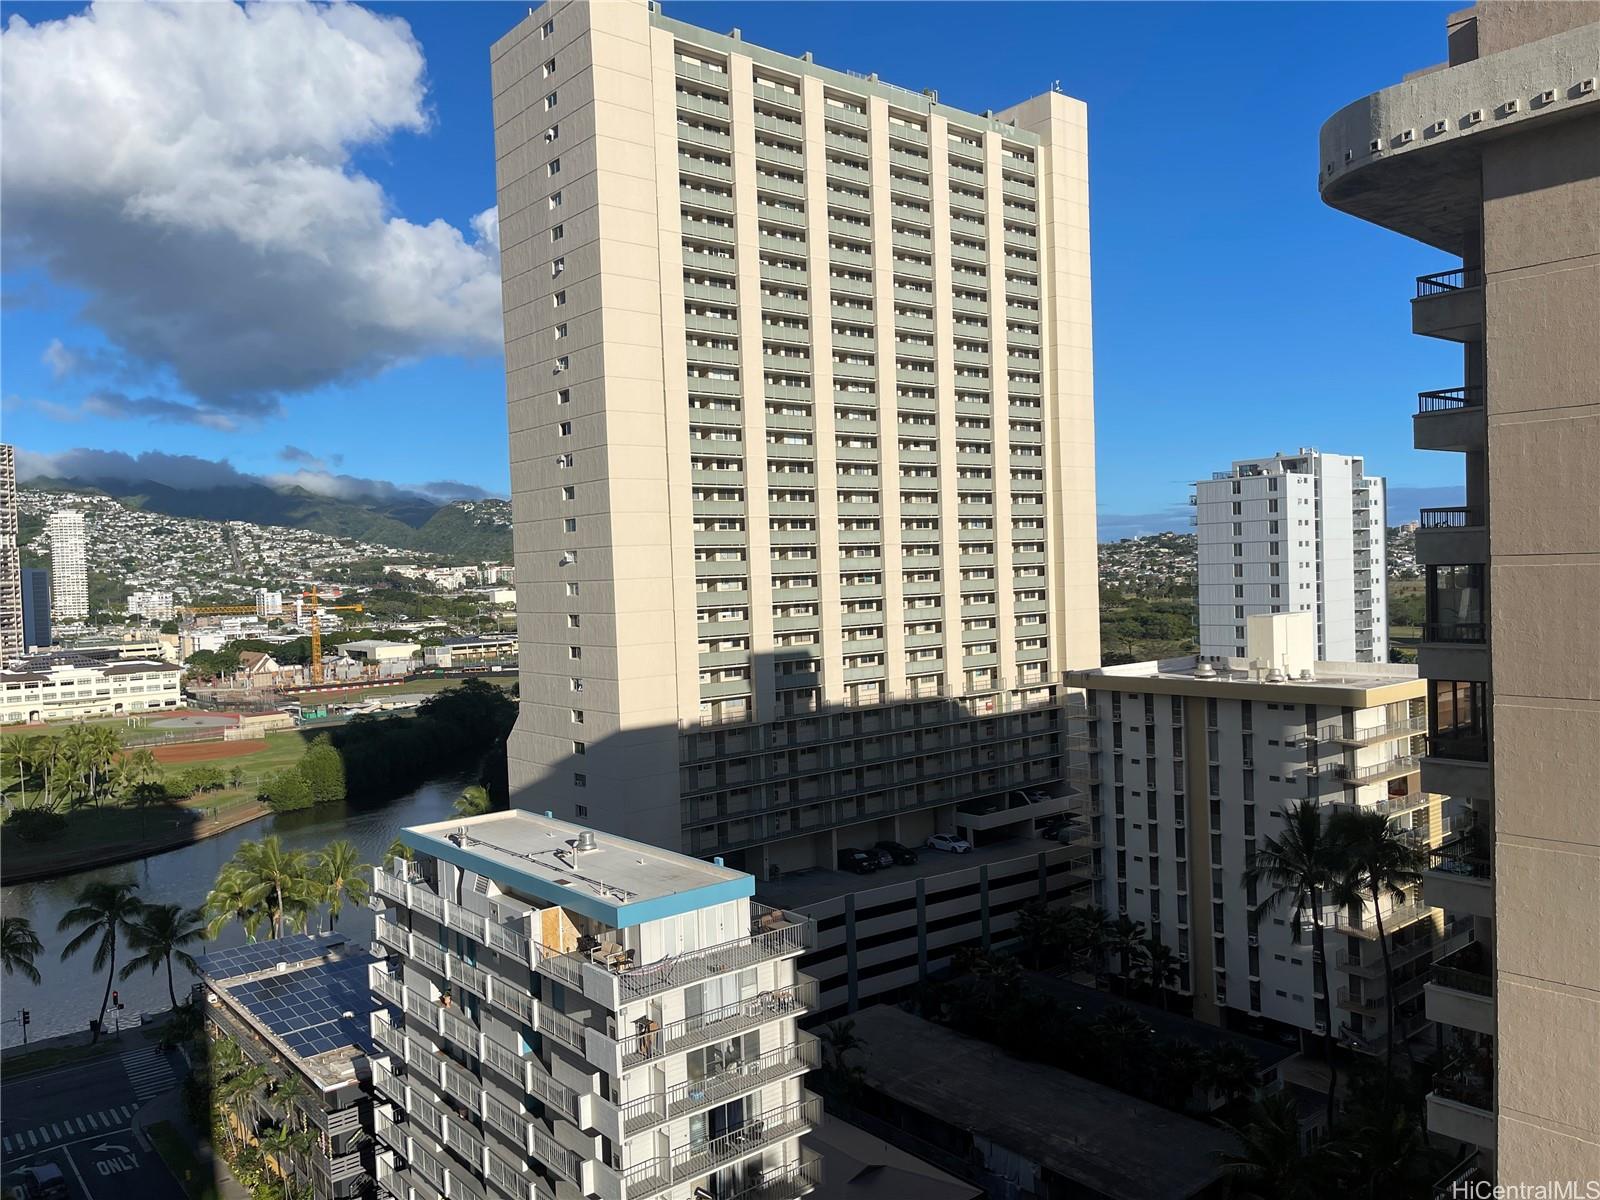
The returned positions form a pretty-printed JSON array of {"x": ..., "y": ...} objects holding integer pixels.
[
  {"x": 1451, "y": 419},
  {"x": 655, "y": 1176},
  {"x": 1449, "y": 305},
  {"x": 1462, "y": 1112},
  {"x": 1394, "y": 768},
  {"x": 1459, "y": 882},
  {"x": 1460, "y": 990},
  {"x": 1010, "y": 809},
  {"x": 734, "y": 1080},
  {"x": 720, "y": 1024},
  {"x": 1448, "y": 772},
  {"x": 1451, "y": 535},
  {"x": 1454, "y": 650}
]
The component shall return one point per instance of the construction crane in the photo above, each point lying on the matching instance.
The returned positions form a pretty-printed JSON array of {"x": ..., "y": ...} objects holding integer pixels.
[
  {"x": 316, "y": 629},
  {"x": 216, "y": 610}
]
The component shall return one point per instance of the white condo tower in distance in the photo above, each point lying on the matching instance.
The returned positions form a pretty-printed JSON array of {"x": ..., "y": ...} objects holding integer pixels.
[{"x": 1300, "y": 532}]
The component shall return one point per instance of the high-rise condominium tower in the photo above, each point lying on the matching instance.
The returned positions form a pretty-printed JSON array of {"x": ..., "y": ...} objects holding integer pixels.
[
  {"x": 11, "y": 636},
  {"x": 69, "y": 565},
  {"x": 1297, "y": 532},
  {"x": 1494, "y": 159},
  {"x": 801, "y": 433}
]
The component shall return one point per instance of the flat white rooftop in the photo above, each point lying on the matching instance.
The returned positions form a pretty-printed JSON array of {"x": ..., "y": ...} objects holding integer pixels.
[
  {"x": 554, "y": 862},
  {"x": 1192, "y": 675}
]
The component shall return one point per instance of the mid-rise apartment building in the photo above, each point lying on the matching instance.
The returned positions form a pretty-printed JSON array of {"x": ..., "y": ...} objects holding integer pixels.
[
  {"x": 12, "y": 640},
  {"x": 567, "y": 1014},
  {"x": 69, "y": 564},
  {"x": 152, "y": 605},
  {"x": 1299, "y": 532},
  {"x": 1493, "y": 158},
  {"x": 800, "y": 396},
  {"x": 1194, "y": 762}
]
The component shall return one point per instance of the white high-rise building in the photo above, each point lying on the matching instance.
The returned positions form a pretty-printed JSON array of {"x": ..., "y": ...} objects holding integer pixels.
[
  {"x": 802, "y": 440},
  {"x": 1301, "y": 532},
  {"x": 11, "y": 631},
  {"x": 69, "y": 565},
  {"x": 152, "y": 606},
  {"x": 567, "y": 1014},
  {"x": 268, "y": 604}
]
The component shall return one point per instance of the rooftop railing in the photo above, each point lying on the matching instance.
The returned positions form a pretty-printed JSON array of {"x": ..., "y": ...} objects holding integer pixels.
[
  {"x": 1449, "y": 518},
  {"x": 1466, "y": 633}
]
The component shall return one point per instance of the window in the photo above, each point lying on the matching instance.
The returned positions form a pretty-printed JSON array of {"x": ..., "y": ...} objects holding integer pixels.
[
  {"x": 572, "y": 589},
  {"x": 566, "y": 428},
  {"x": 579, "y": 780},
  {"x": 563, "y": 363},
  {"x": 557, "y": 265},
  {"x": 559, "y": 300},
  {"x": 577, "y": 716},
  {"x": 568, "y": 492},
  {"x": 576, "y": 685},
  {"x": 552, "y": 133},
  {"x": 549, "y": 28},
  {"x": 550, "y": 101},
  {"x": 550, "y": 68},
  {"x": 580, "y": 747},
  {"x": 574, "y": 652},
  {"x": 570, "y": 524},
  {"x": 564, "y": 395},
  {"x": 555, "y": 199},
  {"x": 582, "y": 809},
  {"x": 573, "y": 621},
  {"x": 561, "y": 331},
  {"x": 557, "y": 232},
  {"x": 553, "y": 167}
]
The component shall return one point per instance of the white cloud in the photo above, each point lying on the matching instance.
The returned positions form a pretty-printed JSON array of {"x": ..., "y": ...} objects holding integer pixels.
[
  {"x": 188, "y": 167},
  {"x": 61, "y": 361}
]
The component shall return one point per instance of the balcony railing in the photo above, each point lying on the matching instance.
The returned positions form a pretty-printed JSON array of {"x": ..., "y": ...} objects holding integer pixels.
[
  {"x": 692, "y": 1162},
  {"x": 721, "y": 1023},
  {"x": 1472, "y": 1090},
  {"x": 1450, "y": 399},
  {"x": 1459, "y": 860},
  {"x": 1401, "y": 765},
  {"x": 1449, "y": 518},
  {"x": 735, "y": 1079},
  {"x": 1442, "y": 283},
  {"x": 1466, "y": 633},
  {"x": 787, "y": 1182}
]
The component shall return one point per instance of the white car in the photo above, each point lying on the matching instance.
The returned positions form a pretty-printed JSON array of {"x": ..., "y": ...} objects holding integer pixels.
[{"x": 949, "y": 843}]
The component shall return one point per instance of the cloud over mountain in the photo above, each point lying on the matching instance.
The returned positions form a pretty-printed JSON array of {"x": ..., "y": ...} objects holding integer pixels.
[{"x": 187, "y": 167}]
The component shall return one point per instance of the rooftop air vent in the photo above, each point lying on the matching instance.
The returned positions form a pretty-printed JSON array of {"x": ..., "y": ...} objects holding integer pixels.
[
  {"x": 585, "y": 841},
  {"x": 1275, "y": 676},
  {"x": 1205, "y": 671}
]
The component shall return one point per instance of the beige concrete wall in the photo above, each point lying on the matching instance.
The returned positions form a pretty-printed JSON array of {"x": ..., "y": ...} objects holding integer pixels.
[
  {"x": 1503, "y": 24},
  {"x": 1541, "y": 238}
]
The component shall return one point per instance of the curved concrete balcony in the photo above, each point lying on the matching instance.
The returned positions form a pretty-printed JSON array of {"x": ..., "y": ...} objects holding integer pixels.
[{"x": 1407, "y": 157}]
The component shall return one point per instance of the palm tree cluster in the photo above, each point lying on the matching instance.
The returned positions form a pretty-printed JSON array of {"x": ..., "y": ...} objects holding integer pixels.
[
  {"x": 989, "y": 997},
  {"x": 84, "y": 767},
  {"x": 264, "y": 1125},
  {"x": 1343, "y": 861},
  {"x": 269, "y": 886},
  {"x": 1082, "y": 937},
  {"x": 106, "y": 914}
]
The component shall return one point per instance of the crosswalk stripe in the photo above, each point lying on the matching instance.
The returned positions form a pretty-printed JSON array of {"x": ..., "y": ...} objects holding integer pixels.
[
  {"x": 127, "y": 1112},
  {"x": 6, "y": 1142}
]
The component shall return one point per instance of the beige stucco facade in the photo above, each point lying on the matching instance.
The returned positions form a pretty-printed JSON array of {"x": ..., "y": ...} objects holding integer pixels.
[
  {"x": 1511, "y": 184},
  {"x": 800, "y": 392}
]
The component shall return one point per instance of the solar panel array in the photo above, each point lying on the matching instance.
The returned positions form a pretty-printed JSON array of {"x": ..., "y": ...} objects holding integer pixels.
[
  {"x": 306, "y": 1008},
  {"x": 263, "y": 956}
]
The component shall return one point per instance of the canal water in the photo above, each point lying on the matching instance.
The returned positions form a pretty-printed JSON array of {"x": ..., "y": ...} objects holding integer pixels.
[{"x": 69, "y": 993}]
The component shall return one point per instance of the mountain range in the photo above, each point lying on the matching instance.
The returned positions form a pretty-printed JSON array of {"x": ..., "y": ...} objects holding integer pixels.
[{"x": 462, "y": 530}]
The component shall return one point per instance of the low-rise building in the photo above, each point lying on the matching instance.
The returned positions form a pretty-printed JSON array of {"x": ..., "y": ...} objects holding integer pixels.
[
  {"x": 296, "y": 1006},
  {"x": 377, "y": 650},
  {"x": 152, "y": 606},
  {"x": 1193, "y": 763},
  {"x": 63, "y": 685},
  {"x": 472, "y": 651},
  {"x": 568, "y": 1013}
]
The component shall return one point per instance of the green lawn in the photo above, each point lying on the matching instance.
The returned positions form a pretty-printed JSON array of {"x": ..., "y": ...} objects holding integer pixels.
[
  {"x": 279, "y": 749},
  {"x": 197, "y": 1180}
]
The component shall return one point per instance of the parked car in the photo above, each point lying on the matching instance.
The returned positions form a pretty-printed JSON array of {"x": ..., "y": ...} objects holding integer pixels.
[
  {"x": 881, "y": 856},
  {"x": 42, "y": 1181},
  {"x": 857, "y": 861},
  {"x": 948, "y": 842},
  {"x": 896, "y": 852},
  {"x": 1030, "y": 796}
]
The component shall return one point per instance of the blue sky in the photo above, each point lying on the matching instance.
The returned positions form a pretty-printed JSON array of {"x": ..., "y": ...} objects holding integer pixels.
[{"x": 1234, "y": 313}]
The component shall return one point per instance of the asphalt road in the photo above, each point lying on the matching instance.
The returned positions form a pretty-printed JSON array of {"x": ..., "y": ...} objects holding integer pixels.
[{"x": 79, "y": 1117}]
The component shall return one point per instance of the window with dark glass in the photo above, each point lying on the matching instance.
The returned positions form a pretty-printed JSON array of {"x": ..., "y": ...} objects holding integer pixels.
[{"x": 1455, "y": 603}]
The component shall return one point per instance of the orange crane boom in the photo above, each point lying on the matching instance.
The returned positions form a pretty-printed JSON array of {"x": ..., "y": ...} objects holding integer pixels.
[{"x": 316, "y": 629}]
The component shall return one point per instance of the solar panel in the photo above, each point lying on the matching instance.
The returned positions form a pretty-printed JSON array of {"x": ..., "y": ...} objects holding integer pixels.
[
  {"x": 263, "y": 956},
  {"x": 305, "y": 1008}
]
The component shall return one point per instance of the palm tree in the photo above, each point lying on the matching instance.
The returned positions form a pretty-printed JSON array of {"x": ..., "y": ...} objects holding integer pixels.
[
  {"x": 839, "y": 1039},
  {"x": 19, "y": 945},
  {"x": 280, "y": 879},
  {"x": 340, "y": 876},
  {"x": 1089, "y": 932},
  {"x": 473, "y": 802},
  {"x": 1302, "y": 869},
  {"x": 104, "y": 910},
  {"x": 1270, "y": 1165},
  {"x": 1378, "y": 860},
  {"x": 234, "y": 898},
  {"x": 162, "y": 932},
  {"x": 1158, "y": 966},
  {"x": 1230, "y": 1069},
  {"x": 1042, "y": 930},
  {"x": 1125, "y": 939},
  {"x": 398, "y": 849}
]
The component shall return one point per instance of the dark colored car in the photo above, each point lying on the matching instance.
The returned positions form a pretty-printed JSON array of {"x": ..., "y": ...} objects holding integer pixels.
[
  {"x": 858, "y": 861},
  {"x": 896, "y": 852}
]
